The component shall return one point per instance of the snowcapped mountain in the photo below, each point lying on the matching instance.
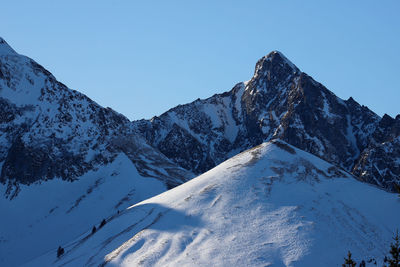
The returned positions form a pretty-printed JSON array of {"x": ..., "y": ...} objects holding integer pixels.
[
  {"x": 61, "y": 154},
  {"x": 279, "y": 101},
  {"x": 273, "y": 205},
  {"x": 48, "y": 130},
  {"x": 67, "y": 163}
]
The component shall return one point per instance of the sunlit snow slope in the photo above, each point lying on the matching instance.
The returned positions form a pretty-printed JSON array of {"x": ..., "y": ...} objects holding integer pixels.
[{"x": 273, "y": 205}]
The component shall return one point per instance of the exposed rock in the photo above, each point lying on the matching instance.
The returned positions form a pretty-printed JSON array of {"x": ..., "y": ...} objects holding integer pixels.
[
  {"x": 279, "y": 102},
  {"x": 379, "y": 163}
]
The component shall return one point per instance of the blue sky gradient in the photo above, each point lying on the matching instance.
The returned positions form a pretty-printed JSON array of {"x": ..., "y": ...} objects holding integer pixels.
[{"x": 143, "y": 57}]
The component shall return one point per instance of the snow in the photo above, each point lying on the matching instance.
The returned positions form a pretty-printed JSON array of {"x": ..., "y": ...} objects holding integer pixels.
[
  {"x": 326, "y": 108},
  {"x": 273, "y": 205},
  {"x": 213, "y": 113},
  {"x": 22, "y": 91},
  {"x": 220, "y": 115},
  {"x": 231, "y": 129},
  {"x": 238, "y": 100},
  {"x": 175, "y": 118},
  {"x": 56, "y": 211}
]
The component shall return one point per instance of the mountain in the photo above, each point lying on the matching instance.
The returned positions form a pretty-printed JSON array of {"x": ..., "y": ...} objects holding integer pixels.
[
  {"x": 60, "y": 155},
  {"x": 279, "y": 102},
  {"x": 273, "y": 205},
  {"x": 68, "y": 163},
  {"x": 48, "y": 130}
]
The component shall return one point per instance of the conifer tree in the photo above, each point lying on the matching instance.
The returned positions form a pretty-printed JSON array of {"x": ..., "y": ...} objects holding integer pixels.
[
  {"x": 397, "y": 187},
  {"x": 60, "y": 251},
  {"x": 394, "y": 259},
  {"x": 348, "y": 262}
]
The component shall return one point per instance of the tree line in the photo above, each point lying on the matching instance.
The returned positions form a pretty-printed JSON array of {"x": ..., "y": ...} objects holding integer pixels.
[{"x": 392, "y": 261}]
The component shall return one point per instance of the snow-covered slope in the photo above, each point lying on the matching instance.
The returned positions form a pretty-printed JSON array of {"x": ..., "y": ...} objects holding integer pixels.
[
  {"x": 273, "y": 205},
  {"x": 54, "y": 212}
]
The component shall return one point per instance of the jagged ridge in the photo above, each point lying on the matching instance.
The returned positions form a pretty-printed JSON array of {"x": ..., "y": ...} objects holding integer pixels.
[
  {"x": 48, "y": 130},
  {"x": 282, "y": 102}
]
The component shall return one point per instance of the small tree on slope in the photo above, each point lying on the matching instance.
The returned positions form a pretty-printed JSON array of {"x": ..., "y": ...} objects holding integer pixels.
[
  {"x": 394, "y": 260},
  {"x": 60, "y": 251},
  {"x": 397, "y": 187},
  {"x": 348, "y": 262}
]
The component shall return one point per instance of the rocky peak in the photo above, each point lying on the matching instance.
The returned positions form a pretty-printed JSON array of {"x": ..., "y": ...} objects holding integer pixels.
[
  {"x": 386, "y": 121},
  {"x": 274, "y": 67},
  {"x": 278, "y": 102},
  {"x": 388, "y": 128},
  {"x": 269, "y": 88}
]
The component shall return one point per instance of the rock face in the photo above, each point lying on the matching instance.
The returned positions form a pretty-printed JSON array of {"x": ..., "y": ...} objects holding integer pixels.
[
  {"x": 279, "y": 102},
  {"x": 379, "y": 163},
  {"x": 48, "y": 130}
]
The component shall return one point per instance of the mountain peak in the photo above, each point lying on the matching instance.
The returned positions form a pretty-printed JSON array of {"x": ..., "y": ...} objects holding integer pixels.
[
  {"x": 278, "y": 56},
  {"x": 5, "y": 49},
  {"x": 274, "y": 63}
]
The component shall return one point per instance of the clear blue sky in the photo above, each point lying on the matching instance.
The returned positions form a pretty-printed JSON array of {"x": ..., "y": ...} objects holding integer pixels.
[{"x": 143, "y": 57}]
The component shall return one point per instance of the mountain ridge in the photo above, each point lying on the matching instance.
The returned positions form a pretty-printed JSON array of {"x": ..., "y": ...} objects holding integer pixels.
[
  {"x": 279, "y": 101},
  {"x": 49, "y": 130}
]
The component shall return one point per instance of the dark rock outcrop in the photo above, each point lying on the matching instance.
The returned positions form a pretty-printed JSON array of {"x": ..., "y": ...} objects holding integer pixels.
[{"x": 379, "y": 163}]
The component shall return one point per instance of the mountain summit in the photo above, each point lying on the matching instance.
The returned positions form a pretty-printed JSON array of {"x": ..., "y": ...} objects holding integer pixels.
[{"x": 274, "y": 67}]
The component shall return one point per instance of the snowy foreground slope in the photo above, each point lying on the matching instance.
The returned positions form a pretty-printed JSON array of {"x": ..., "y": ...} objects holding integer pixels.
[
  {"x": 54, "y": 212},
  {"x": 273, "y": 205}
]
